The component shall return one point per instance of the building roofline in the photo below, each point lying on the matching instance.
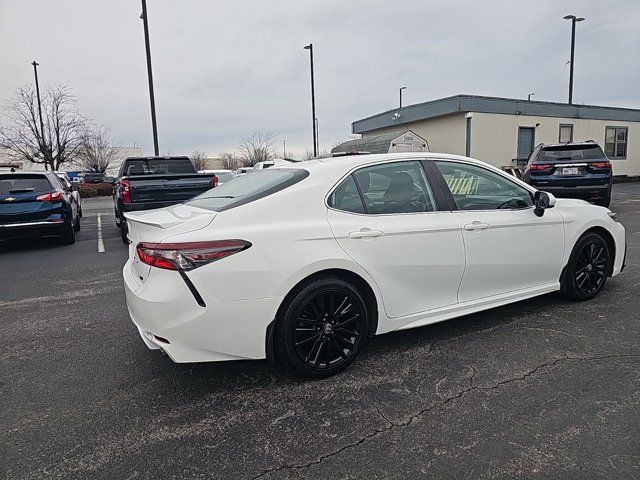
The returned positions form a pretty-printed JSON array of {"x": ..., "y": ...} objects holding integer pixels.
[{"x": 483, "y": 104}]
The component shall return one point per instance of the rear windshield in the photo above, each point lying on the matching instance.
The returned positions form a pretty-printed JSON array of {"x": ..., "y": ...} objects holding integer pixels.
[
  {"x": 158, "y": 166},
  {"x": 248, "y": 188},
  {"x": 24, "y": 184},
  {"x": 571, "y": 153}
]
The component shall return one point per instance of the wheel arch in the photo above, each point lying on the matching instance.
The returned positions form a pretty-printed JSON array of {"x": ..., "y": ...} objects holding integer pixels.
[
  {"x": 364, "y": 287},
  {"x": 608, "y": 238}
]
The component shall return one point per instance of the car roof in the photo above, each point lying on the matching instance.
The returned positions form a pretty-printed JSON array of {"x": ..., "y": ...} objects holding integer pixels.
[
  {"x": 349, "y": 162},
  {"x": 26, "y": 173},
  {"x": 569, "y": 144}
]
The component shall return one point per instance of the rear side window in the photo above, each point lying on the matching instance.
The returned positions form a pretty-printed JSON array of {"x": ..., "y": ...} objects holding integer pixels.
[
  {"x": 571, "y": 153},
  {"x": 387, "y": 188},
  {"x": 24, "y": 183},
  {"x": 346, "y": 197},
  {"x": 248, "y": 188}
]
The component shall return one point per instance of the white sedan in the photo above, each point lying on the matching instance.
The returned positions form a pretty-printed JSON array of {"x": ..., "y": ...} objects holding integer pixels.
[{"x": 302, "y": 263}]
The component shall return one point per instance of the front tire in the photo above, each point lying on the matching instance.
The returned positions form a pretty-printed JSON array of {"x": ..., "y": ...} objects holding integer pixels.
[
  {"x": 322, "y": 328},
  {"x": 588, "y": 268}
]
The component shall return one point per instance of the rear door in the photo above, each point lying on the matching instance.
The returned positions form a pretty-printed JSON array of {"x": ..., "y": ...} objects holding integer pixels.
[
  {"x": 18, "y": 198},
  {"x": 387, "y": 218}
]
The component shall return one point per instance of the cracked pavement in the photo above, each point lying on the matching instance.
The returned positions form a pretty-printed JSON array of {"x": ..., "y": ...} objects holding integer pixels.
[{"x": 543, "y": 388}]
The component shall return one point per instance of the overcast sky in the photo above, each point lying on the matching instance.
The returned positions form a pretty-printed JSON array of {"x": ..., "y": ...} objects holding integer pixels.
[{"x": 226, "y": 68}]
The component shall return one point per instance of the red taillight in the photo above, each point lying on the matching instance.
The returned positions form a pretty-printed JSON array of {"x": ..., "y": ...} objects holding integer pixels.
[
  {"x": 125, "y": 190},
  {"x": 539, "y": 167},
  {"x": 601, "y": 165},
  {"x": 50, "y": 197},
  {"x": 187, "y": 256},
  {"x": 214, "y": 181}
]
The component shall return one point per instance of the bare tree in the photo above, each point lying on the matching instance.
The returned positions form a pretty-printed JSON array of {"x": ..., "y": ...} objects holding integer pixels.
[
  {"x": 199, "y": 160},
  {"x": 258, "y": 147},
  {"x": 97, "y": 151},
  {"x": 59, "y": 140},
  {"x": 230, "y": 161}
]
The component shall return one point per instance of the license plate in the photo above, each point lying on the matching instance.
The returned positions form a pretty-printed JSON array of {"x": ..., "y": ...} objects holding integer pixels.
[{"x": 570, "y": 171}]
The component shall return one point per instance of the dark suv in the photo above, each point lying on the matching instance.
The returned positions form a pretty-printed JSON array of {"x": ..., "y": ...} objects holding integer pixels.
[{"x": 575, "y": 170}]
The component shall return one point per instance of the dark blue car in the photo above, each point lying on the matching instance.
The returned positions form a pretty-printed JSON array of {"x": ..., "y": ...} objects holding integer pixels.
[
  {"x": 37, "y": 204},
  {"x": 574, "y": 170}
]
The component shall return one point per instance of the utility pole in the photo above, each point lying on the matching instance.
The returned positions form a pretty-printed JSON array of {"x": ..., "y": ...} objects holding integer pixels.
[
  {"x": 43, "y": 145},
  {"x": 154, "y": 126},
  {"x": 313, "y": 102},
  {"x": 574, "y": 20}
]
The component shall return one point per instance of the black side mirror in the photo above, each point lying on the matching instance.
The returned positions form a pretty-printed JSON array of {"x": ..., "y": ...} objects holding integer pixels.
[
  {"x": 74, "y": 187},
  {"x": 541, "y": 201}
]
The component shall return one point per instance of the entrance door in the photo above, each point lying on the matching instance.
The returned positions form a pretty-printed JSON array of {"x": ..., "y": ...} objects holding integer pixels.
[{"x": 526, "y": 140}]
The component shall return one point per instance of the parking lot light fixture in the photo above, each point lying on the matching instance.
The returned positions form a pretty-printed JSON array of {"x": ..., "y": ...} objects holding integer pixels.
[
  {"x": 152, "y": 100},
  {"x": 313, "y": 102},
  {"x": 574, "y": 20}
]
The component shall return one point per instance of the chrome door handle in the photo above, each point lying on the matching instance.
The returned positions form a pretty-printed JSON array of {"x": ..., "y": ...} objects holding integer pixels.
[
  {"x": 365, "y": 233},
  {"x": 476, "y": 225}
]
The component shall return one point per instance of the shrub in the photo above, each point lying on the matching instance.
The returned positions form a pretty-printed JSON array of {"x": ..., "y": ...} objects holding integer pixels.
[
  {"x": 88, "y": 192},
  {"x": 104, "y": 189}
]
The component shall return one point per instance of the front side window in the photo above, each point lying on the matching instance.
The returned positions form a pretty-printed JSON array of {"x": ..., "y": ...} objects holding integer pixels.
[
  {"x": 476, "y": 188},
  {"x": 615, "y": 142},
  {"x": 566, "y": 133}
]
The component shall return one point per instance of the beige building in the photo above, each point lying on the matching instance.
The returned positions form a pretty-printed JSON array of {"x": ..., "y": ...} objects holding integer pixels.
[{"x": 501, "y": 131}]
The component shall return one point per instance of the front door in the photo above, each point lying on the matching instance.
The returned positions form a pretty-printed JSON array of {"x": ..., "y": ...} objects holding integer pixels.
[
  {"x": 389, "y": 223},
  {"x": 507, "y": 246}
]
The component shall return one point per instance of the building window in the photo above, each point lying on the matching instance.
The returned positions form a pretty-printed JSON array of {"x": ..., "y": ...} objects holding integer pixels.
[
  {"x": 566, "y": 133},
  {"x": 615, "y": 142}
]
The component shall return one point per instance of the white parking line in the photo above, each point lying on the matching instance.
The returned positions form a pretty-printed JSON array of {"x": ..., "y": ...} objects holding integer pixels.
[{"x": 100, "y": 242}]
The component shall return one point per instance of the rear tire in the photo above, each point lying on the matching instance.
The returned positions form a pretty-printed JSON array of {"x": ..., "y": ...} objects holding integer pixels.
[
  {"x": 587, "y": 269},
  {"x": 322, "y": 328},
  {"x": 604, "y": 202},
  {"x": 68, "y": 236},
  {"x": 76, "y": 224}
]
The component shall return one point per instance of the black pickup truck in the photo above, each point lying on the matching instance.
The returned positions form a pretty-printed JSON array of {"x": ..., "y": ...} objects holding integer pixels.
[{"x": 145, "y": 183}]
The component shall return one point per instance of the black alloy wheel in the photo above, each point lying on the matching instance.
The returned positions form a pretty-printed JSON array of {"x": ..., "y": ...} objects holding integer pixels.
[
  {"x": 588, "y": 268},
  {"x": 323, "y": 329}
]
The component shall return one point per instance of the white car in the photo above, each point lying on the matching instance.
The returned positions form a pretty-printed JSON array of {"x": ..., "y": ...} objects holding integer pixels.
[
  {"x": 243, "y": 171},
  {"x": 277, "y": 162},
  {"x": 223, "y": 175},
  {"x": 302, "y": 263}
]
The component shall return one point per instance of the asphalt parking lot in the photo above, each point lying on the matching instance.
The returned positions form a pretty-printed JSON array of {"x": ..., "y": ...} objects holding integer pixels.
[{"x": 544, "y": 388}]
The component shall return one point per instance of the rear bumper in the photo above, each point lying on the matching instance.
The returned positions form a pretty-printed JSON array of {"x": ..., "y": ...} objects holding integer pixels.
[
  {"x": 31, "y": 229},
  {"x": 168, "y": 317},
  {"x": 580, "y": 191}
]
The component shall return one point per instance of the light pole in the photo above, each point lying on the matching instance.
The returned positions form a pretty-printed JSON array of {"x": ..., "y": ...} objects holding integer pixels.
[
  {"x": 152, "y": 100},
  {"x": 42, "y": 143},
  {"x": 313, "y": 102},
  {"x": 574, "y": 20},
  {"x": 401, "y": 88}
]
